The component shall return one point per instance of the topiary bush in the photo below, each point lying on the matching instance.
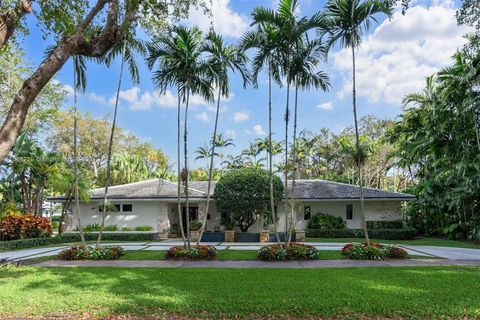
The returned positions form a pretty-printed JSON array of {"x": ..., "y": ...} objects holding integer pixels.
[
  {"x": 296, "y": 251},
  {"x": 395, "y": 224},
  {"x": 90, "y": 253},
  {"x": 387, "y": 234},
  {"x": 376, "y": 251},
  {"x": 198, "y": 252},
  {"x": 143, "y": 228},
  {"x": 24, "y": 226},
  {"x": 325, "y": 221}
]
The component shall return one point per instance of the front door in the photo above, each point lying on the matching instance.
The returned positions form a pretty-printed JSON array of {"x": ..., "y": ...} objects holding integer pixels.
[{"x": 193, "y": 215}]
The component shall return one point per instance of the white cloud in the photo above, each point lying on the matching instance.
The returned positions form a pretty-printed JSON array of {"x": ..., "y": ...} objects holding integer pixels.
[
  {"x": 241, "y": 116},
  {"x": 224, "y": 20},
  {"x": 202, "y": 117},
  {"x": 98, "y": 98},
  {"x": 68, "y": 89},
  {"x": 326, "y": 106},
  {"x": 130, "y": 95},
  {"x": 396, "y": 58},
  {"x": 258, "y": 130},
  {"x": 231, "y": 133}
]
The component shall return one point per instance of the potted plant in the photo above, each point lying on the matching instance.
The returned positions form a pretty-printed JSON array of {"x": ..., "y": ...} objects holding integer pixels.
[
  {"x": 174, "y": 231},
  {"x": 195, "y": 227},
  {"x": 229, "y": 227}
]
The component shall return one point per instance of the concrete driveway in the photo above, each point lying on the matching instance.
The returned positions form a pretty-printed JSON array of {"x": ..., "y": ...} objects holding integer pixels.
[{"x": 427, "y": 251}]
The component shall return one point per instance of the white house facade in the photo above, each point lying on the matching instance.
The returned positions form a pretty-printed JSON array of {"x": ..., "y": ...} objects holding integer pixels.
[{"x": 154, "y": 203}]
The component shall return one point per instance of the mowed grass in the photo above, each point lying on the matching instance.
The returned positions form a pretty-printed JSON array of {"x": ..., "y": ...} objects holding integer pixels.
[
  {"x": 426, "y": 293},
  {"x": 438, "y": 242}
]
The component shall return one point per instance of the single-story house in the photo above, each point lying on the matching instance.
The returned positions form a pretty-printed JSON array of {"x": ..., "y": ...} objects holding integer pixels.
[{"x": 154, "y": 203}]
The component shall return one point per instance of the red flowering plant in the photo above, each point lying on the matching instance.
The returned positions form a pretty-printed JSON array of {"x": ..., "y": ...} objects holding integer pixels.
[
  {"x": 376, "y": 251},
  {"x": 24, "y": 226},
  {"x": 89, "y": 253},
  {"x": 198, "y": 252},
  {"x": 296, "y": 251}
]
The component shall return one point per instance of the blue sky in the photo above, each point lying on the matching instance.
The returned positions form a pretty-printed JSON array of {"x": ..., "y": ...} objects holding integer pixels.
[{"x": 392, "y": 61}]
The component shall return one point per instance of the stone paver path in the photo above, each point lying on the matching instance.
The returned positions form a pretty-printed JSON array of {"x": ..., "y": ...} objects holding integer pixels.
[
  {"x": 427, "y": 251},
  {"x": 257, "y": 264}
]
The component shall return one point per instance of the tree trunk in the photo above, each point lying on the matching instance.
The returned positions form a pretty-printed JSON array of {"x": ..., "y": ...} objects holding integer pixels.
[
  {"x": 75, "y": 162},
  {"x": 210, "y": 169},
  {"x": 110, "y": 147},
  {"x": 295, "y": 171},
  {"x": 179, "y": 175},
  {"x": 26, "y": 95},
  {"x": 270, "y": 155},
  {"x": 39, "y": 200},
  {"x": 358, "y": 161},
  {"x": 185, "y": 154},
  {"x": 65, "y": 206},
  {"x": 10, "y": 19},
  {"x": 287, "y": 116}
]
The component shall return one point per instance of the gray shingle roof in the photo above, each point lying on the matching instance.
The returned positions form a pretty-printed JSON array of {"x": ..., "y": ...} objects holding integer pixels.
[{"x": 305, "y": 190}]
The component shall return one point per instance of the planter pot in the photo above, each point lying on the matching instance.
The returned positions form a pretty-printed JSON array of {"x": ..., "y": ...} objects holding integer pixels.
[
  {"x": 162, "y": 235},
  {"x": 194, "y": 235},
  {"x": 247, "y": 237},
  {"x": 229, "y": 236},
  {"x": 213, "y": 237},
  {"x": 300, "y": 235},
  {"x": 273, "y": 237},
  {"x": 264, "y": 236}
]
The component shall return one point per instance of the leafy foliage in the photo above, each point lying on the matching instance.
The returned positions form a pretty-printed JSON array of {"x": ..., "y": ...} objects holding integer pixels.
[
  {"x": 376, "y": 251},
  {"x": 245, "y": 193},
  {"x": 325, "y": 221},
  {"x": 388, "y": 234},
  {"x": 295, "y": 251},
  {"x": 24, "y": 226},
  {"x": 89, "y": 253},
  {"x": 198, "y": 252}
]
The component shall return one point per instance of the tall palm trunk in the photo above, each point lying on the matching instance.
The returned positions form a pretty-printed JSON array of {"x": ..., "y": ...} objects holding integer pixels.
[
  {"x": 358, "y": 161},
  {"x": 179, "y": 175},
  {"x": 210, "y": 169},
  {"x": 185, "y": 153},
  {"x": 110, "y": 147},
  {"x": 294, "y": 150},
  {"x": 287, "y": 116},
  {"x": 270, "y": 155},
  {"x": 75, "y": 161},
  {"x": 477, "y": 129}
]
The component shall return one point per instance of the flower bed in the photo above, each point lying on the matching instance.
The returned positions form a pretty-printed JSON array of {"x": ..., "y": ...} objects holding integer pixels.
[
  {"x": 296, "y": 251},
  {"x": 200, "y": 252},
  {"x": 376, "y": 251},
  {"x": 90, "y": 253}
]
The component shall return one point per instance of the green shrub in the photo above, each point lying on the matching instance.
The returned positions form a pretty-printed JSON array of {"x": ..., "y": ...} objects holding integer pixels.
[
  {"x": 55, "y": 218},
  {"x": 325, "y": 221},
  {"x": 195, "y": 225},
  {"x": 91, "y": 227},
  {"x": 143, "y": 228},
  {"x": 396, "y": 224},
  {"x": 89, "y": 253},
  {"x": 296, "y": 251},
  {"x": 126, "y": 229},
  {"x": 110, "y": 228},
  {"x": 376, "y": 251},
  {"x": 387, "y": 234},
  {"x": 199, "y": 252},
  {"x": 73, "y": 237}
]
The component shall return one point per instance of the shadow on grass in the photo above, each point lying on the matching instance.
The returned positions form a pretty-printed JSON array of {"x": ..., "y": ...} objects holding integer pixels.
[{"x": 392, "y": 292}]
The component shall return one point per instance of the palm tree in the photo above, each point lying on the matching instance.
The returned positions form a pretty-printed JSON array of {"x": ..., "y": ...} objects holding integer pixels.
[
  {"x": 345, "y": 22},
  {"x": 222, "y": 58},
  {"x": 290, "y": 30},
  {"x": 180, "y": 64},
  {"x": 126, "y": 49},
  {"x": 306, "y": 57},
  {"x": 222, "y": 143}
]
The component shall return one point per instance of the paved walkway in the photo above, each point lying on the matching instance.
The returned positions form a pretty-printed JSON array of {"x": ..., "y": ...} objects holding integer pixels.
[
  {"x": 257, "y": 264},
  {"x": 427, "y": 251}
]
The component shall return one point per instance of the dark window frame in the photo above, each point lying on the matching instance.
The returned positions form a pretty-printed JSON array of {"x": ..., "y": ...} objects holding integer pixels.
[
  {"x": 128, "y": 205},
  {"x": 307, "y": 215},
  {"x": 349, "y": 211}
]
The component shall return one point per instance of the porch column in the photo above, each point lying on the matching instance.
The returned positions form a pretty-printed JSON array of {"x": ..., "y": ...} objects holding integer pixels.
[{"x": 163, "y": 223}]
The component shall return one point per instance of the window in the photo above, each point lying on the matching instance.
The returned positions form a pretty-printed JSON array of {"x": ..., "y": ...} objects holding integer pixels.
[
  {"x": 127, "y": 208},
  {"x": 117, "y": 208},
  {"x": 349, "y": 212},
  {"x": 208, "y": 216},
  {"x": 307, "y": 212}
]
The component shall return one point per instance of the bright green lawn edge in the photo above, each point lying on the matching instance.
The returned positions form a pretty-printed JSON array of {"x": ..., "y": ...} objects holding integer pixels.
[{"x": 401, "y": 292}]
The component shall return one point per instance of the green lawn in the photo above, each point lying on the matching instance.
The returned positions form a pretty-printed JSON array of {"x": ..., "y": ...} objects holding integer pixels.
[
  {"x": 416, "y": 242},
  {"x": 428, "y": 293}
]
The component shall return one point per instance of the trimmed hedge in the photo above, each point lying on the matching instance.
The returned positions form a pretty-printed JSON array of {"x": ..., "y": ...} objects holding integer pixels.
[
  {"x": 73, "y": 237},
  {"x": 396, "y": 224},
  {"x": 387, "y": 234}
]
